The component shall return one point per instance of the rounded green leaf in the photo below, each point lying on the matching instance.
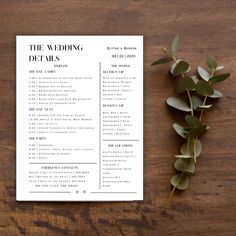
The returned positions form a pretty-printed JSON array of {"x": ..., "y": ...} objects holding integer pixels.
[
  {"x": 211, "y": 62},
  {"x": 197, "y": 131},
  {"x": 203, "y": 88},
  {"x": 179, "y": 181},
  {"x": 187, "y": 129},
  {"x": 203, "y": 73},
  {"x": 184, "y": 156},
  {"x": 194, "y": 78},
  {"x": 179, "y": 130},
  {"x": 185, "y": 84},
  {"x": 196, "y": 101},
  {"x": 192, "y": 121},
  {"x": 219, "y": 78},
  {"x": 174, "y": 46},
  {"x": 181, "y": 67},
  {"x": 204, "y": 108},
  {"x": 219, "y": 67},
  {"x": 216, "y": 94},
  {"x": 190, "y": 151},
  {"x": 178, "y": 104},
  {"x": 162, "y": 61},
  {"x": 174, "y": 65},
  {"x": 185, "y": 165}
]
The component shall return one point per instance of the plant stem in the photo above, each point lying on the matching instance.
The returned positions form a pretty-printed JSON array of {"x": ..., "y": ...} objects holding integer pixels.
[
  {"x": 190, "y": 101},
  {"x": 172, "y": 192},
  {"x": 203, "y": 104},
  {"x": 205, "y": 98},
  {"x": 182, "y": 173},
  {"x": 173, "y": 189}
]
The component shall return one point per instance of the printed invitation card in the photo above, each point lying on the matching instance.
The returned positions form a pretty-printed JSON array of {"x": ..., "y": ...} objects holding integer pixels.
[{"x": 79, "y": 118}]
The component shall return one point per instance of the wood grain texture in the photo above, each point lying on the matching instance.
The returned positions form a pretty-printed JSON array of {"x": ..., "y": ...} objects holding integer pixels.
[{"x": 208, "y": 207}]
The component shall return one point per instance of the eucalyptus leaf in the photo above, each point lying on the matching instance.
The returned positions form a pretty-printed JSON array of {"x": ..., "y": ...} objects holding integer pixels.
[
  {"x": 174, "y": 65},
  {"x": 194, "y": 78},
  {"x": 203, "y": 88},
  {"x": 179, "y": 130},
  {"x": 178, "y": 104},
  {"x": 162, "y": 61},
  {"x": 174, "y": 46},
  {"x": 185, "y": 165},
  {"x": 197, "y": 131},
  {"x": 185, "y": 84},
  {"x": 216, "y": 94},
  {"x": 203, "y": 73},
  {"x": 180, "y": 181},
  {"x": 196, "y": 101},
  {"x": 219, "y": 67},
  {"x": 204, "y": 108},
  {"x": 219, "y": 78},
  {"x": 184, "y": 156},
  {"x": 180, "y": 68},
  {"x": 192, "y": 120},
  {"x": 190, "y": 151},
  {"x": 211, "y": 62},
  {"x": 187, "y": 129}
]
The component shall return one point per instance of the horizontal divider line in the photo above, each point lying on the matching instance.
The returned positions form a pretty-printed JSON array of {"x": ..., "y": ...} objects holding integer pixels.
[
  {"x": 120, "y": 139},
  {"x": 113, "y": 192},
  {"x": 48, "y": 192},
  {"x": 87, "y": 163}
]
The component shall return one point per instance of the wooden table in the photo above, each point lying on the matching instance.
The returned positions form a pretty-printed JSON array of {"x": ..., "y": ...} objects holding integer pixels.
[{"x": 208, "y": 207}]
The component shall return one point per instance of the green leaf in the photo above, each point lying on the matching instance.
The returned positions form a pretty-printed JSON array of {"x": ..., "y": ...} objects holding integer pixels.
[
  {"x": 219, "y": 67},
  {"x": 179, "y": 181},
  {"x": 203, "y": 88},
  {"x": 203, "y": 73},
  {"x": 194, "y": 78},
  {"x": 197, "y": 131},
  {"x": 190, "y": 151},
  {"x": 219, "y": 78},
  {"x": 192, "y": 121},
  {"x": 187, "y": 129},
  {"x": 181, "y": 67},
  {"x": 162, "y": 61},
  {"x": 184, "y": 156},
  {"x": 204, "y": 108},
  {"x": 211, "y": 62},
  {"x": 185, "y": 165},
  {"x": 174, "y": 65},
  {"x": 185, "y": 84},
  {"x": 178, "y": 104},
  {"x": 174, "y": 46},
  {"x": 179, "y": 130},
  {"x": 216, "y": 94},
  {"x": 196, "y": 101}
]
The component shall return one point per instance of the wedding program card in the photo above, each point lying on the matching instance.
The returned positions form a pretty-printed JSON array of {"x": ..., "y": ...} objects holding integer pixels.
[{"x": 79, "y": 118}]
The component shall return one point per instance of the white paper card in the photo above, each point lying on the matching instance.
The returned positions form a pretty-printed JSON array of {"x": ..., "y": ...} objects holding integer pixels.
[{"x": 79, "y": 118}]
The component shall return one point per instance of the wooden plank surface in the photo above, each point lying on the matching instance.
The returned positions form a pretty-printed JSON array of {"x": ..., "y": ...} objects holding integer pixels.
[{"x": 208, "y": 207}]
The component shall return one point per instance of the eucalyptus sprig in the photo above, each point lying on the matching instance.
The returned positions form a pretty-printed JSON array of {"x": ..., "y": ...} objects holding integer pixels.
[{"x": 198, "y": 87}]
